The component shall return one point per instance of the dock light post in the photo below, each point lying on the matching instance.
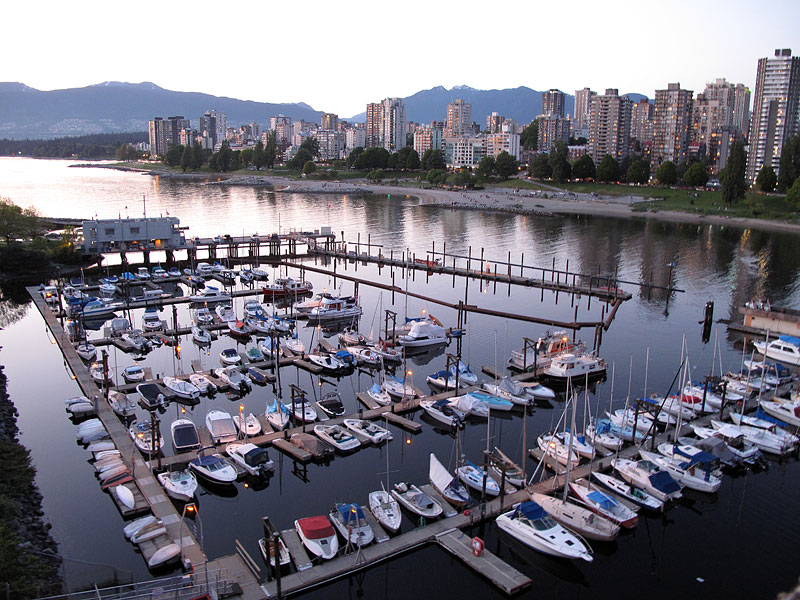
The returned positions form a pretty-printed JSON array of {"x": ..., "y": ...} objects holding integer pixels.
[
  {"x": 405, "y": 379},
  {"x": 190, "y": 508},
  {"x": 242, "y": 432}
]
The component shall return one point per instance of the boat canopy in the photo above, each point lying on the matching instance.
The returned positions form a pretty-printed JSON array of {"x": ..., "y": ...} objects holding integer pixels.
[
  {"x": 662, "y": 481},
  {"x": 702, "y": 457},
  {"x": 767, "y": 417},
  {"x": 256, "y": 457},
  {"x": 512, "y": 387},
  {"x": 315, "y": 528},
  {"x": 350, "y": 512},
  {"x": 602, "y": 500},
  {"x": 531, "y": 510},
  {"x": 185, "y": 436},
  {"x": 790, "y": 339}
]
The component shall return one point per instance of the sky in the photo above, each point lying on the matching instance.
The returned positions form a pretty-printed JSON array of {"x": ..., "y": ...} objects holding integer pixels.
[{"x": 338, "y": 56}]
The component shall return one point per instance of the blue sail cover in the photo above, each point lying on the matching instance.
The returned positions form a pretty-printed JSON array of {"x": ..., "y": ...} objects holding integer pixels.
[
  {"x": 662, "y": 481},
  {"x": 762, "y": 415},
  {"x": 531, "y": 510},
  {"x": 602, "y": 500}
]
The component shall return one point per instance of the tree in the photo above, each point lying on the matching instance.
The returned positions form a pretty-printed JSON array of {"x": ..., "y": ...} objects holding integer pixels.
[
  {"x": 732, "y": 178},
  {"x": 464, "y": 178},
  {"x": 696, "y": 175},
  {"x": 372, "y": 158},
  {"x": 354, "y": 154},
  {"x": 300, "y": 159},
  {"x": 412, "y": 161},
  {"x": 487, "y": 167},
  {"x": 506, "y": 165},
  {"x": 394, "y": 161},
  {"x": 666, "y": 173},
  {"x": 436, "y": 176},
  {"x": 224, "y": 157},
  {"x": 186, "y": 158},
  {"x": 128, "y": 152},
  {"x": 309, "y": 167},
  {"x": 31, "y": 222},
  {"x": 433, "y": 159},
  {"x": 270, "y": 150},
  {"x": 559, "y": 163},
  {"x": 767, "y": 180},
  {"x": 608, "y": 170},
  {"x": 11, "y": 220},
  {"x": 584, "y": 168},
  {"x": 638, "y": 172},
  {"x": 258, "y": 155},
  {"x": 539, "y": 167},
  {"x": 793, "y": 194},
  {"x": 789, "y": 169},
  {"x": 312, "y": 145},
  {"x": 376, "y": 175},
  {"x": 530, "y": 136},
  {"x": 198, "y": 156},
  {"x": 173, "y": 156}
]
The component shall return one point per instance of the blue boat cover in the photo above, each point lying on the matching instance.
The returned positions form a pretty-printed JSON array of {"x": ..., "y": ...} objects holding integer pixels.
[
  {"x": 207, "y": 460},
  {"x": 662, "y": 481},
  {"x": 347, "y": 512},
  {"x": 790, "y": 339},
  {"x": 532, "y": 510},
  {"x": 441, "y": 403},
  {"x": 762, "y": 415},
  {"x": 701, "y": 457},
  {"x": 602, "y": 500},
  {"x": 439, "y": 374}
]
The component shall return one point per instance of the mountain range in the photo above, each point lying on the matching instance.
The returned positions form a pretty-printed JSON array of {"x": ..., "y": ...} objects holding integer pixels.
[{"x": 113, "y": 106}]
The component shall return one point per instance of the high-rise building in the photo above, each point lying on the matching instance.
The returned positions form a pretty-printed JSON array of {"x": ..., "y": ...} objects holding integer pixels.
[
  {"x": 459, "y": 119},
  {"x": 494, "y": 123},
  {"x": 609, "y": 126},
  {"x": 329, "y": 121},
  {"x": 642, "y": 121},
  {"x": 463, "y": 151},
  {"x": 282, "y": 126},
  {"x": 553, "y": 102},
  {"x": 583, "y": 108},
  {"x": 552, "y": 129},
  {"x": 495, "y": 143},
  {"x": 672, "y": 117},
  {"x": 775, "y": 110},
  {"x": 354, "y": 137},
  {"x": 393, "y": 125},
  {"x": 708, "y": 116},
  {"x": 157, "y": 136},
  {"x": 331, "y": 144},
  {"x": 374, "y": 124},
  {"x": 212, "y": 128},
  {"x": 174, "y": 127},
  {"x": 427, "y": 138},
  {"x": 740, "y": 119}
]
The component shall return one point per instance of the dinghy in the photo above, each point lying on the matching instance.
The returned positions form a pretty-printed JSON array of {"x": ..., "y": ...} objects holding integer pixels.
[
  {"x": 415, "y": 500},
  {"x": 121, "y": 404},
  {"x": 250, "y": 427},
  {"x": 337, "y": 436},
  {"x": 202, "y": 383}
]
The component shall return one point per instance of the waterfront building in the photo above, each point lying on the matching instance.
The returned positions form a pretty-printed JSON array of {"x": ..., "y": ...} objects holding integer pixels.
[
  {"x": 463, "y": 151},
  {"x": 354, "y": 137},
  {"x": 741, "y": 108},
  {"x": 331, "y": 144},
  {"x": 721, "y": 143},
  {"x": 107, "y": 235},
  {"x": 708, "y": 116},
  {"x": 459, "y": 119},
  {"x": 609, "y": 126},
  {"x": 553, "y": 103},
  {"x": 775, "y": 110},
  {"x": 427, "y": 138},
  {"x": 374, "y": 124},
  {"x": 157, "y": 136},
  {"x": 393, "y": 130},
  {"x": 672, "y": 116},
  {"x": 583, "y": 109},
  {"x": 282, "y": 126},
  {"x": 552, "y": 129},
  {"x": 503, "y": 141}
]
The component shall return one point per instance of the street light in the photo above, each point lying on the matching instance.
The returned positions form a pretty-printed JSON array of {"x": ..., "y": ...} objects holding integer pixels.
[{"x": 190, "y": 508}]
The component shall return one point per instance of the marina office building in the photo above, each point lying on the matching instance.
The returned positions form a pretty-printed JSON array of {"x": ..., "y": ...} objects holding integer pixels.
[{"x": 106, "y": 235}]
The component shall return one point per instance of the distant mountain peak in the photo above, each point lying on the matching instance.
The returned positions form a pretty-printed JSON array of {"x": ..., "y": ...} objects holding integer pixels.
[
  {"x": 148, "y": 85},
  {"x": 15, "y": 86}
]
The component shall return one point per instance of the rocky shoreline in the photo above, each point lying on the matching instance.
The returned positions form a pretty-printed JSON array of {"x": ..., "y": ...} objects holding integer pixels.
[{"x": 29, "y": 559}]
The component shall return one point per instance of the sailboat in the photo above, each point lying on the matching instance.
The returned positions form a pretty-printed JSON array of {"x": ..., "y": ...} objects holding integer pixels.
[
  {"x": 604, "y": 503},
  {"x": 446, "y": 483},
  {"x": 384, "y": 506}
]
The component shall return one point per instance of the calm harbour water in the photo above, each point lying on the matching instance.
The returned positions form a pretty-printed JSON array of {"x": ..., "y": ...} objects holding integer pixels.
[{"x": 692, "y": 550}]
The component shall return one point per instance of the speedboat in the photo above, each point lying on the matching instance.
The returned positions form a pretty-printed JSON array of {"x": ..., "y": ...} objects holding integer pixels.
[
  {"x": 374, "y": 432},
  {"x": 246, "y": 276},
  {"x": 174, "y": 272},
  {"x": 159, "y": 273},
  {"x": 475, "y": 477},
  {"x": 220, "y": 426},
  {"x": 352, "y": 525},
  {"x": 203, "y": 316},
  {"x": 693, "y": 473},
  {"x": 415, "y": 500},
  {"x": 531, "y": 525},
  {"x": 250, "y": 457},
  {"x": 250, "y": 427},
  {"x": 510, "y": 390},
  {"x": 267, "y": 548},
  {"x": 253, "y": 308},
  {"x": 785, "y": 349},
  {"x": 97, "y": 372},
  {"x": 303, "y": 412},
  {"x": 364, "y": 355},
  {"x": 254, "y": 354},
  {"x": 121, "y": 404},
  {"x": 277, "y": 414},
  {"x": 200, "y": 335},
  {"x": 225, "y": 312},
  {"x": 184, "y": 435},
  {"x": 229, "y": 356},
  {"x": 210, "y": 294},
  {"x": 179, "y": 484},
  {"x": 150, "y": 396},
  {"x": 327, "y": 361},
  {"x": 213, "y": 467},
  {"x": 385, "y": 509},
  {"x": 422, "y": 334},
  {"x": 351, "y": 337},
  {"x": 151, "y": 321},
  {"x": 446, "y": 483},
  {"x": 137, "y": 341},
  {"x": 603, "y": 503},
  {"x": 331, "y": 404},
  {"x": 133, "y": 374},
  {"x": 143, "y": 438},
  {"x": 318, "y": 536},
  {"x": 202, "y": 383},
  {"x": 443, "y": 411},
  {"x": 627, "y": 492},
  {"x": 181, "y": 388},
  {"x": 337, "y": 436}
]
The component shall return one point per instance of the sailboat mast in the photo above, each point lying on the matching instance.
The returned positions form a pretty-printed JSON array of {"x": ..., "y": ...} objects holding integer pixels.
[{"x": 569, "y": 446}]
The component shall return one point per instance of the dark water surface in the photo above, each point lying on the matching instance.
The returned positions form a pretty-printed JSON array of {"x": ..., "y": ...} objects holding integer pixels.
[{"x": 741, "y": 542}]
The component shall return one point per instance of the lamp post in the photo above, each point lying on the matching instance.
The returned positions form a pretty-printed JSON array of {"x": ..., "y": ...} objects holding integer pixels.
[{"x": 190, "y": 508}]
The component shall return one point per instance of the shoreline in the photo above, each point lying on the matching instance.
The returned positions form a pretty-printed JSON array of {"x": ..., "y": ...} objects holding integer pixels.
[{"x": 503, "y": 200}]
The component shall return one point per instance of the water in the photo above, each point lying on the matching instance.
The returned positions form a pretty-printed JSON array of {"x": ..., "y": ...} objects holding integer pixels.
[{"x": 749, "y": 522}]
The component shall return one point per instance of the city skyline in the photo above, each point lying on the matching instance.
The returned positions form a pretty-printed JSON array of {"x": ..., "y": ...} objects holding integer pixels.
[{"x": 291, "y": 67}]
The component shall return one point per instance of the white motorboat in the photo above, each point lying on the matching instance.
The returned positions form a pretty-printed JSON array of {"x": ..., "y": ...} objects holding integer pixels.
[
  {"x": 204, "y": 269},
  {"x": 770, "y": 426},
  {"x": 133, "y": 374},
  {"x": 578, "y": 519},
  {"x": 220, "y": 426},
  {"x": 260, "y": 274},
  {"x": 510, "y": 390},
  {"x": 446, "y": 483},
  {"x": 326, "y": 361},
  {"x": 202, "y": 383},
  {"x": 386, "y": 352},
  {"x": 443, "y": 411},
  {"x": 379, "y": 395},
  {"x": 349, "y": 519},
  {"x": 734, "y": 440},
  {"x": 385, "y": 509},
  {"x": 575, "y": 367},
  {"x": 213, "y": 467},
  {"x": 351, "y": 337},
  {"x": 540, "y": 354},
  {"x": 182, "y": 388},
  {"x": 250, "y": 457},
  {"x": 250, "y": 427},
  {"x": 229, "y": 356},
  {"x": 627, "y": 492},
  {"x": 180, "y": 484},
  {"x": 788, "y": 412},
  {"x": 203, "y": 316},
  {"x": 785, "y": 349},
  {"x": 331, "y": 404},
  {"x": 86, "y": 350},
  {"x": 397, "y": 388},
  {"x": 238, "y": 328},
  {"x": 210, "y": 294},
  {"x": 603, "y": 503},
  {"x": 107, "y": 290},
  {"x": 303, "y": 412},
  {"x": 335, "y": 308},
  {"x": 151, "y": 321},
  {"x": 304, "y": 307},
  {"x": 337, "y": 436},
  {"x": 184, "y": 435},
  {"x": 415, "y": 500},
  {"x": 253, "y": 308},
  {"x": 373, "y": 431},
  {"x": 143, "y": 438},
  {"x": 122, "y": 404},
  {"x": 442, "y": 380},
  {"x": 553, "y": 447},
  {"x": 233, "y": 378},
  {"x": 765, "y": 440},
  {"x": 277, "y": 414},
  {"x": 530, "y": 524},
  {"x": 318, "y": 536},
  {"x": 473, "y": 476},
  {"x": 151, "y": 396},
  {"x": 258, "y": 324},
  {"x": 364, "y": 355},
  {"x": 225, "y": 312},
  {"x": 649, "y": 477},
  {"x": 422, "y": 334},
  {"x": 137, "y": 341},
  {"x": 691, "y": 473},
  {"x": 97, "y": 373},
  {"x": 267, "y": 548},
  {"x": 200, "y": 335}
]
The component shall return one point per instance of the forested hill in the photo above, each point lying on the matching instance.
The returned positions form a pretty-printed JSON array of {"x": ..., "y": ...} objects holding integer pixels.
[{"x": 96, "y": 145}]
